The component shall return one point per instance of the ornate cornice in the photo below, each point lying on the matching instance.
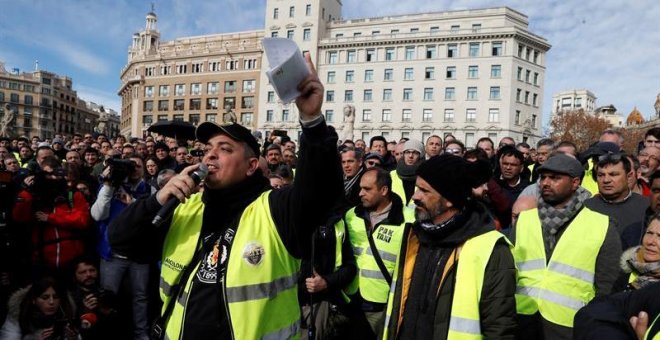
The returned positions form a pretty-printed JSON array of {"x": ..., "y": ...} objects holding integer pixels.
[{"x": 414, "y": 40}]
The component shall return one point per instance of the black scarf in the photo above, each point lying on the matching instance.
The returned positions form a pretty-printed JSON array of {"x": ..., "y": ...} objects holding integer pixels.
[
  {"x": 408, "y": 172},
  {"x": 224, "y": 205}
]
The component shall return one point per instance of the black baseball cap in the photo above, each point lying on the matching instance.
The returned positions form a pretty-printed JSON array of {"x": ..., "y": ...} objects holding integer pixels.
[{"x": 234, "y": 131}]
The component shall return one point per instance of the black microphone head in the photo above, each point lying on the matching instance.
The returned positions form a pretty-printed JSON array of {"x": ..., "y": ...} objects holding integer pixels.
[{"x": 202, "y": 171}]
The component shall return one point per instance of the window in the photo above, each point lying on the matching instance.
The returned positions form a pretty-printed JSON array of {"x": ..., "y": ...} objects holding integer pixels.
[
  {"x": 178, "y": 104},
  {"x": 389, "y": 54},
  {"x": 28, "y": 100},
  {"x": 292, "y": 11},
  {"x": 520, "y": 72},
  {"x": 366, "y": 115},
  {"x": 528, "y": 74},
  {"x": 269, "y": 115},
  {"x": 149, "y": 71},
  {"x": 211, "y": 117},
  {"x": 497, "y": 49},
  {"x": 148, "y": 91},
  {"x": 414, "y": 30},
  {"x": 408, "y": 74},
  {"x": 496, "y": 71},
  {"x": 526, "y": 97},
  {"x": 212, "y": 88},
  {"x": 357, "y": 34},
  {"x": 195, "y": 104},
  {"x": 331, "y": 77},
  {"x": 197, "y": 67},
  {"x": 230, "y": 86},
  {"x": 164, "y": 90},
  {"x": 450, "y": 93},
  {"x": 162, "y": 117},
  {"x": 246, "y": 118},
  {"x": 249, "y": 64},
  {"x": 273, "y": 34},
  {"x": 368, "y": 75},
  {"x": 410, "y": 52},
  {"x": 406, "y": 115},
  {"x": 388, "y": 74},
  {"x": 528, "y": 54},
  {"x": 431, "y": 52},
  {"x": 285, "y": 115},
  {"x": 387, "y": 95},
  {"x": 147, "y": 120},
  {"x": 427, "y": 115},
  {"x": 308, "y": 10},
  {"x": 163, "y": 105},
  {"x": 472, "y": 93},
  {"x": 474, "y": 49},
  {"x": 407, "y": 94},
  {"x": 231, "y": 64},
  {"x": 332, "y": 57},
  {"x": 214, "y": 66},
  {"x": 473, "y": 71},
  {"x": 247, "y": 102},
  {"x": 516, "y": 119},
  {"x": 452, "y": 51},
  {"x": 536, "y": 78},
  {"x": 534, "y": 121},
  {"x": 429, "y": 73},
  {"x": 276, "y": 13},
  {"x": 330, "y": 96},
  {"x": 493, "y": 115},
  {"x": 375, "y": 32},
  {"x": 350, "y": 56},
  {"x": 350, "y": 76},
  {"x": 368, "y": 95},
  {"x": 521, "y": 48},
  {"x": 339, "y": 35},
  {"x": 371, "y": 54},
  {"x": 476, "y": 28},
  {"x": 394, "y": 31},
  {"x": 329, "y": 115},
  {"x": 518, "y": 95},
  {"x": 179, "y": 89},
  {"x": 494, "y": 92},
  {"x": 428, "y": 93},
  {"x": 434, "y": 30},
  {"x": 195, "y": 89},
  {"x": 535, "y": 98},
  {"x": 289, "y": 34},
  {"x": 536, "y": 57},
  {"x": 271, "y": 97},
  {"x": 194, "y": 118},
  {"x": 307, "y": 34},
  {"x": 454, "y": 28},
  {"x": 148, "y": 105},
  {"x": 249, "y": 86},
  {"x": 181, "y": 68},
  {"x": 451, "y": 72},
  {"x": 348, "y": 95},
  {"x": 229, "y": 103},
  {"x": 470, "y": 115},
  {"x": 449, "y": 115},
  {"x": 386, "y": 116}
]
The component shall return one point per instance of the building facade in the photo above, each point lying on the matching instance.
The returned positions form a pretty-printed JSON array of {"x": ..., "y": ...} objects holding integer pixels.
[
  {"x": 573, "y": 100},
  {"x": 195, "y": 79},
  {"x": 43, "y": 104},
  {"x": 470, "y": 73}
]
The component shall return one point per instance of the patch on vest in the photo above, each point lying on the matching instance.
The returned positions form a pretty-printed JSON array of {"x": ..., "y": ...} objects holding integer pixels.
[
  {"x": 208, "y": 269},
  {"x": 385, "y": 234},
  {"x": 253, "y": 253}
]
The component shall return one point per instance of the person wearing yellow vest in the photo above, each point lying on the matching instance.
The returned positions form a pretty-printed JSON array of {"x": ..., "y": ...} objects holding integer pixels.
[
  {"x": 375, "y": 228},
  {"x": 566, "y": 254},
  {"x": 455, "y": 276},
  {"x": 243, "y": 240},
  {"x": 403, "y": 177}
]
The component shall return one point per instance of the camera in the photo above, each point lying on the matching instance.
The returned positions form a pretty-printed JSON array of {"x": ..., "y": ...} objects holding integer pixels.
[{"x": 120, "y": 169}]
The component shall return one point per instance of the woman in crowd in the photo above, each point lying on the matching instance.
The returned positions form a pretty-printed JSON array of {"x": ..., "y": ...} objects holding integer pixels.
[
  {"x": 641, "y": 264},
  {"x": 40, "y": 311},
  {"x": 151, "y": 175}
]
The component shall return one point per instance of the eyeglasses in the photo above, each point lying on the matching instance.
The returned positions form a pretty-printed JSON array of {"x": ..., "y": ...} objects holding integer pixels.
[
  {"x": 455, "y": 151},
  {"x": 172, "y": 149},
  {"x": 611, "y": 157}
]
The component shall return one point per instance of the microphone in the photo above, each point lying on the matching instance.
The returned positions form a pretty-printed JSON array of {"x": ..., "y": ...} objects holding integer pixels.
[{"x": 168, "y": 208}]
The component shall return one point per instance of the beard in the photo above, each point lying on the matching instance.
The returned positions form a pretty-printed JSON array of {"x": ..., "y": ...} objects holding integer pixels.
[{"x": 426, "y": 214}]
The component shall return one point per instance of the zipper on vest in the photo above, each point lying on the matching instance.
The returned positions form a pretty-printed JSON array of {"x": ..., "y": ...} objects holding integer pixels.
[
  {"x": 226, "y": 304},
  {"x": 185, "y": 305}
]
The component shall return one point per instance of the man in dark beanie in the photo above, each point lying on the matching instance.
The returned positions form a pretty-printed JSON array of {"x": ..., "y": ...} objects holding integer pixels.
[
  {"x": 165, "y": 161},
  {"x": 455, "y": 275}
]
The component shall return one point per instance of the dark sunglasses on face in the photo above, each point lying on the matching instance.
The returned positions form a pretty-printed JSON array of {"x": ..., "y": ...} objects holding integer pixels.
[{"x": 614, "y": 157}]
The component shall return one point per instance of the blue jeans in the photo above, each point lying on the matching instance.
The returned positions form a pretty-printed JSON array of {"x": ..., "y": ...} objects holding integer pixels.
[{"x": 112, "y": 274}]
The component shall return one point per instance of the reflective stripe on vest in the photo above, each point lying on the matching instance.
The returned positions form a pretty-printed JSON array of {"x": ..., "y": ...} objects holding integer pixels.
[
  {"x": 371, "y": 283},
  {"x": 656, "y": 336},
  {"x": 566, "y": 284},
  {"x": 465, "y": 320},
  {"x": 261, "y": 280}
]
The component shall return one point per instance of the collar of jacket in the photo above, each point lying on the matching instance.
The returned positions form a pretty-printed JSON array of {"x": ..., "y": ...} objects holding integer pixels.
[{"x": 395, "y": 217}]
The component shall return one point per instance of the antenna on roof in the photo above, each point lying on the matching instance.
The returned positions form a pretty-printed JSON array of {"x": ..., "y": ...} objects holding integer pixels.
[{"x": 36, "y": 65}]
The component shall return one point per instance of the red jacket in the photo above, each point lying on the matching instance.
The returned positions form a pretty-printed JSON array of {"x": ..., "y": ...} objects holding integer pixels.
[{"x": 63, "y": 232}]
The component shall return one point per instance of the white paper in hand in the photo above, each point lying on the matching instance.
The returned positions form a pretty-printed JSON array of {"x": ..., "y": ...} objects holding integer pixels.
[{"x": 287, "y": 67}]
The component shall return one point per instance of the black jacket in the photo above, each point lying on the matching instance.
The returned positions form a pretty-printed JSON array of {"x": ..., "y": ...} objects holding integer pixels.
[{"x": 428, "y": 307}]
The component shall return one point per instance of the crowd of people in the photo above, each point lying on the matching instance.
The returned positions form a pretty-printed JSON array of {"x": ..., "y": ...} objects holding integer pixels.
[{"x": 328, "y": 239}]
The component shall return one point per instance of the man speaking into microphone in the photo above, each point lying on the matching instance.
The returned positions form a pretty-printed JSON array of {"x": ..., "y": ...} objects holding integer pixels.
[{"x": 231, "y": 254}]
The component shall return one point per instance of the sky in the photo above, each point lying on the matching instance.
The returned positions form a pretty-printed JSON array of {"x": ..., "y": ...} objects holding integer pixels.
[{"x": 610, "y": 47}]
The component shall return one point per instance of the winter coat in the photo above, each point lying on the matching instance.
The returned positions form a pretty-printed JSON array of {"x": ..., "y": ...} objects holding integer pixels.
[{"x": 61, "y": 238}]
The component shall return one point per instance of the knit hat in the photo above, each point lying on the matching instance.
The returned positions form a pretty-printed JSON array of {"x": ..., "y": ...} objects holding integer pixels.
[
  {"x": 161, "y": 145},
  {"x": 453, "y": 177},
  {"x": 58, "y": 141},
  {"x": 414, "y": 145}
]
